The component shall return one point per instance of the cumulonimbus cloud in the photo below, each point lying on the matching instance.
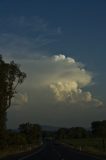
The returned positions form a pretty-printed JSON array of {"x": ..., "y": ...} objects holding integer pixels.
[
  {"x": 73, "y": 79},
  {"x": 65, "y": 78}
]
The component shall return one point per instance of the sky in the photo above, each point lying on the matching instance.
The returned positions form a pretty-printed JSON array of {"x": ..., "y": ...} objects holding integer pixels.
[{"x": 61, "y": 46}]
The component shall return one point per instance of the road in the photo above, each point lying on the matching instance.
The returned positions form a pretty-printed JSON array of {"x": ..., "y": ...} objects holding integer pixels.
[{"x": 52, "y": 151}]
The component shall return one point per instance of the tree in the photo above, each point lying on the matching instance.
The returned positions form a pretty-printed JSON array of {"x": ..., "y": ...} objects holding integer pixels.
[
  {"x": 77, "y": 132},
  {"x": 74, "y": 132},
  {"x": 32, "y": 132},
  {"x": 99, "y": 128},
  {"x": 10, "y": 77}
]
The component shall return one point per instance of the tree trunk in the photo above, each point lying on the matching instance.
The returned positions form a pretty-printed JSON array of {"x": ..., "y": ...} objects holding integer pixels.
[{"x": 3, "y": 116}]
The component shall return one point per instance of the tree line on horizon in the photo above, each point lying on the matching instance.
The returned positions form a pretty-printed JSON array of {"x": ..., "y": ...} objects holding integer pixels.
[{"x": 98, "y": 130}]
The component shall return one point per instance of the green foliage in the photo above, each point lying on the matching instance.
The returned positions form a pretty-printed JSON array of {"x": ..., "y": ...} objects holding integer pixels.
[
  {"x": 10, "y": 77},
  {"x": 74, "y": 132},
  {"x": 77, "y": 132},
  {"x": 32, "y": 132},
  {"x": 99, "y": 128}
]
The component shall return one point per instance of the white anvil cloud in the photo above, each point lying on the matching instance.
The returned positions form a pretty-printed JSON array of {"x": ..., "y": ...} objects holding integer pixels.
[{"x": 63, "y": 77}]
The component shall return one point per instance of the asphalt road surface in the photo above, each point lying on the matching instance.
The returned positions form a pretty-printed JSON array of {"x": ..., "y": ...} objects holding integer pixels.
[{"x": 52, "y": 151}]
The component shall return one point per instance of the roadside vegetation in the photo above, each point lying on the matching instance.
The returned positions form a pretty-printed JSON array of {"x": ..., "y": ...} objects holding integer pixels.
[
  {"x": 26, "y": 138},
  {"x": 91, "y": 141}
]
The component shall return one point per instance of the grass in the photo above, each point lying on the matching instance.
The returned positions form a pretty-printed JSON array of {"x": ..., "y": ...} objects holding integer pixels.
[
  {"x": 90, "y": 145},
  {"x": 15, "y": 149}
]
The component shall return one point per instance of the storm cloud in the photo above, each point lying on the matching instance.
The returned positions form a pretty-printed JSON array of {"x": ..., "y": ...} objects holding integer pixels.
[{"x": 62, "y": 77}]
